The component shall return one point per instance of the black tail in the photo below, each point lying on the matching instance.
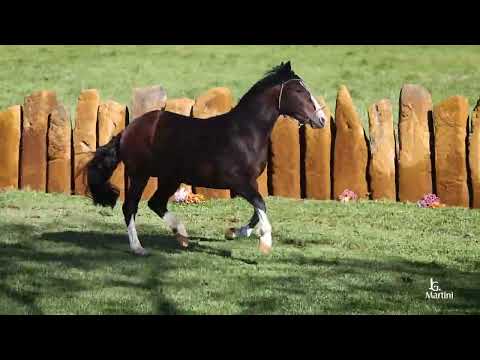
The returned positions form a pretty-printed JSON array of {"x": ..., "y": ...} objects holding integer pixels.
[{"x": 100, "y": 170}]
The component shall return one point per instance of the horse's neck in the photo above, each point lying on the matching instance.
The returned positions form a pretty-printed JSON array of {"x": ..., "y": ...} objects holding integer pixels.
[{"x": 258, "y": 113}]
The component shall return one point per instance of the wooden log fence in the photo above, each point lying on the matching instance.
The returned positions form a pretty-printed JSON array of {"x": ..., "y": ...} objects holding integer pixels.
[{"x": 437, "y": 148}]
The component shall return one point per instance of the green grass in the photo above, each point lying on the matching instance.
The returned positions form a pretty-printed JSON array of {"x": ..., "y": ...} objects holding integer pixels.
[
  {"x": 61, "y": 255},
  {"x": 370, "y": 72}
]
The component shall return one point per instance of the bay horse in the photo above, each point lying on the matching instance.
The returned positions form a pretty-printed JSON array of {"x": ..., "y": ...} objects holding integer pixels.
[{"x": 228, "y": 151}]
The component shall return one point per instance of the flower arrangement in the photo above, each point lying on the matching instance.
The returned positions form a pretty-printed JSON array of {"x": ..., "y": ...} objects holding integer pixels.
[
  {"x": 184, "y": 195},
  {"x": 430, "y": 201},
  {"x": 347, "y": 195}
]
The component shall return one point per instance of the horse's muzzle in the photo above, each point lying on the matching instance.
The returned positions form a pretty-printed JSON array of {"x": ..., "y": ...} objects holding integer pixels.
[{"x": 317, "y": 121}]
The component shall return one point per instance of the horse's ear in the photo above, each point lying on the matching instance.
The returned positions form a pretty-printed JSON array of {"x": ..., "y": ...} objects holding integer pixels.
[{"x": 288, "y": 66}]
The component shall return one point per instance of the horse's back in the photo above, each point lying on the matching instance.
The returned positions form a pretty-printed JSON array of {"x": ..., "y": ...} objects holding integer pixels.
[{"x": 161, "y": 139}]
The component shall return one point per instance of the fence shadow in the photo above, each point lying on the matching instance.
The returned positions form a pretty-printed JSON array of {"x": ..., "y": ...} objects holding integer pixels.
[
  {"x": 410, "y": 278},
  {"x": 342, "y": 282},
  {"x": 34, "y": 257}
]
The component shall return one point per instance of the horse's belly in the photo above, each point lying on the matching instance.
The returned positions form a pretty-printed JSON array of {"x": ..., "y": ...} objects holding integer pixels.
[{"x": 205, "y": 177}]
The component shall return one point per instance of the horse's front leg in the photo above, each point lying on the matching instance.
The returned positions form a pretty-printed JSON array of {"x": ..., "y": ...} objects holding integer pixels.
[
  {"x": 244, "y": 231},
  {"x": 250, "y": 193}
]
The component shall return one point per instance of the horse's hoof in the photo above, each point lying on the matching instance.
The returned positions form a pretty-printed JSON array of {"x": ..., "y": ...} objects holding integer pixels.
[
  {"x": 140, "y": 251},
  {"x": 230, "y": 234},
  {"x": 265, "y": 249},
  {"x": 182, "y": 241}
]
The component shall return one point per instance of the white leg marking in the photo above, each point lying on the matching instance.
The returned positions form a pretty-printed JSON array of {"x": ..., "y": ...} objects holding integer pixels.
[
  {"x": 175, "y": 224},
  {"x": 265, "y": 231},
  {"x": 135, "y": 245},
  {"x": 244, "y": 231}
]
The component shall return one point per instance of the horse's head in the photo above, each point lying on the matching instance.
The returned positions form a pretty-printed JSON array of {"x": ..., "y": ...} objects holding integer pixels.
[{"x": 296, "y": 100}]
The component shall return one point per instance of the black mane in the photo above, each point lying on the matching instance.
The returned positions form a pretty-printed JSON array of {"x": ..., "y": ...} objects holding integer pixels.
[{"x": 277, "y": 75}]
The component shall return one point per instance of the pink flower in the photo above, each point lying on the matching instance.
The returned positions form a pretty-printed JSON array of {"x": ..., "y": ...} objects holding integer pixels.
[
  {"x": 184, "y": 195},
  {"x": 181, "y": 195},
  {"x": 428, "y": 201},
  {"x": 347, "y": 195}
]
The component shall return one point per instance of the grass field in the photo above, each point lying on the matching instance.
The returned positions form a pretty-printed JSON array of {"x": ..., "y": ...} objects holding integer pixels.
[
  {"x": 61, "y": 255},
  {"x": 370, "y": 72}
]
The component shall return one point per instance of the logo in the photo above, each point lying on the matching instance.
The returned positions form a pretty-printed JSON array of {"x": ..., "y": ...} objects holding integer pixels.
[
  {"x": 436, "y": 292},
  {"x": 434, "y": 285}
]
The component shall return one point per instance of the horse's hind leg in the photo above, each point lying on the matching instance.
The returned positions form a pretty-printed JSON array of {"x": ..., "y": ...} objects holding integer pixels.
[
  {"x": 130, "y": 207},
  {"x": 158, "y": 203}
]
